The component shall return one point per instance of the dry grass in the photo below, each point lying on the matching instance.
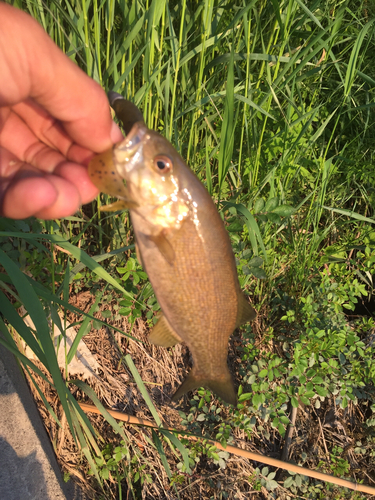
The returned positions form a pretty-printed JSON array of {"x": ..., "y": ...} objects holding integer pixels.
[{"x": 162, "y": 370}]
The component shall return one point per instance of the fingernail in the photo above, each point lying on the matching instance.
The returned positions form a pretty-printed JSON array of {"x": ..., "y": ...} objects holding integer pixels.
[{"x": 115, "y": 134}]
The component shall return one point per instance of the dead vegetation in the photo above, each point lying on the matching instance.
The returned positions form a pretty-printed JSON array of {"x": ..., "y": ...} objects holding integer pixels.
[{"x": 316, "y": 430}]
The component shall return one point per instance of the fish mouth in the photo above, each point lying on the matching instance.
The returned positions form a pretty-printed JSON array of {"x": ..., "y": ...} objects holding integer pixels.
[
  {"x": 109, "y": 170},
  {"x": 128, "y": 152}
]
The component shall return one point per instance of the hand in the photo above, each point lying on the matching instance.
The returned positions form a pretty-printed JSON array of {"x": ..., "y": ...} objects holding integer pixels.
[{"x": 53, "y": 118}]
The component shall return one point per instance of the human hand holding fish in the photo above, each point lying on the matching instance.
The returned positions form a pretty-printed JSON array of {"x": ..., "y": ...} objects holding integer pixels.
[
  {"x": 183, "y": 245},
  {"x": 53, "y": 118}
]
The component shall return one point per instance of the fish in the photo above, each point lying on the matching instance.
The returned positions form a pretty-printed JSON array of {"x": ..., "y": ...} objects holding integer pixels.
[{"x": 183, "y": 246}]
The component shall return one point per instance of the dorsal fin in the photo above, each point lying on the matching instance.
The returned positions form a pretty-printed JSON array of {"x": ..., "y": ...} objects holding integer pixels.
[{"x": 245, "y": 311}]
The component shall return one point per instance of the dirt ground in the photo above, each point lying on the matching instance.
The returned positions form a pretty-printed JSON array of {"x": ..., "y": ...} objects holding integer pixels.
[{"x": 162, "y": 370}]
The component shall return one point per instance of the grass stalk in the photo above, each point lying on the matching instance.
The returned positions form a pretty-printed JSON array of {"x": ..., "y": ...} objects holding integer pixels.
[{"x": 177, "y": 66}]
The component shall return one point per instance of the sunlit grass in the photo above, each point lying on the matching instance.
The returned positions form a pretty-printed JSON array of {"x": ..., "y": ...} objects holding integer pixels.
[{"x": 271, "y": 104}]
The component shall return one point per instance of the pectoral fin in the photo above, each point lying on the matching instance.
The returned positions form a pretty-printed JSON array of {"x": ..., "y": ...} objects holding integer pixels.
[
  {"x": 164, "y": 246},
  {"x": 118, "y": 205},
  {"x": 245, "y": 311},
  {"x": 163, "y": 334},
  {"x": 222, "y": 386}
]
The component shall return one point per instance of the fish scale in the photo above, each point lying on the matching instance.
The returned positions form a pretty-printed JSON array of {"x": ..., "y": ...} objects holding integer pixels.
[{"x": 205, "y": 299}]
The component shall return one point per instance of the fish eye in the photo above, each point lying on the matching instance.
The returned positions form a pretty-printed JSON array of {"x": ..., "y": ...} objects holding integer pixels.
[{"x": 162, "y": 164}]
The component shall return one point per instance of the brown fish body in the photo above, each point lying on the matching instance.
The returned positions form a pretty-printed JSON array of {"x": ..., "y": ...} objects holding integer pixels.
[
  {"x": 186, "y": 253},
  {"x": 198, "y": 292}
]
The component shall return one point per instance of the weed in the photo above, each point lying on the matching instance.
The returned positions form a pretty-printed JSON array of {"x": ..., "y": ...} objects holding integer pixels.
[{"x": 271, "y": 103}]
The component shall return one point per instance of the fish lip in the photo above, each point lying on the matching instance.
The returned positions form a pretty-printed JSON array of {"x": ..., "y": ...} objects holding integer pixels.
[
  {"x": 133, "y": 140},
  {"x": 129, "y": 152}
]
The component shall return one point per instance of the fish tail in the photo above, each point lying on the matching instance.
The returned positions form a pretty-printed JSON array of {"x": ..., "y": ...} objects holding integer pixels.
[{"x": 222, "y": 386}]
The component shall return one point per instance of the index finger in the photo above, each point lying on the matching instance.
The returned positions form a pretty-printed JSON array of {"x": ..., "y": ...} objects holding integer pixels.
[{"x": 33, "y": 66}]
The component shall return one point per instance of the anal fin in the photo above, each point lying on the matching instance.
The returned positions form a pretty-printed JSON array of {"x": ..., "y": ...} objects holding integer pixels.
[{"x": 163, "y": 334}]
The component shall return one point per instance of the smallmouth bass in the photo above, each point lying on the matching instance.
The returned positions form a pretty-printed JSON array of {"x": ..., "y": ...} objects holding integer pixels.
[{"x": 183, "y": 245}]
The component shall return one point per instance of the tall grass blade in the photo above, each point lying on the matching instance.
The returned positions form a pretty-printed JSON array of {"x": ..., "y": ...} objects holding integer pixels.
[
  {"x": 77, "y": 253},
  {"x": 12, "y": 316},
  {"x": 353, "y": 61},
  {"x": 83, "y": 329},
  {"x": 85, "y": 447},
  {"x": 143, "y": 389},
  {"x": 161, "y": 452},
  {"x": 181, "y": 448},
  {"x": 35, "y": 310},
  {"x": 309, "y": 13},
  {"x": 227, "y": 129},
  {"x": 9, "y": 343},
  {"x": 254, "y": 232},
  {"x": 98, "y": 258},
  {"x": 94, "y": 398},
  {"x": 351, "y": 214}
]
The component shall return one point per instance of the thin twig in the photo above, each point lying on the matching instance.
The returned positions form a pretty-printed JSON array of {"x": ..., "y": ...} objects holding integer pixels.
[
  {"x": 61, "y": 434},
  {"x": 324, "y": 441},
  {"x": 289, "y": 434}
]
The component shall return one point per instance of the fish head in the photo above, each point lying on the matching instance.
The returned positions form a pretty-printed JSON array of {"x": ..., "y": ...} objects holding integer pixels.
[
  {"x": 145, "y": 160},
  {"x": 145, "y": 172}
]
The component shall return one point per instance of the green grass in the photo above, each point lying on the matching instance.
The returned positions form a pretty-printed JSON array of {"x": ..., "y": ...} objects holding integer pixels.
[{"x": 272, "y": 105}]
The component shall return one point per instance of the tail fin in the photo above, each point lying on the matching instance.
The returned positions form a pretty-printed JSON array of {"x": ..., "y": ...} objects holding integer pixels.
[{"x": 222, "y": 387}]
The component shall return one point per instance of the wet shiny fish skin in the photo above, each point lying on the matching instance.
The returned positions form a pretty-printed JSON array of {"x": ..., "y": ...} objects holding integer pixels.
[{"x": 184, "y": 248}]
